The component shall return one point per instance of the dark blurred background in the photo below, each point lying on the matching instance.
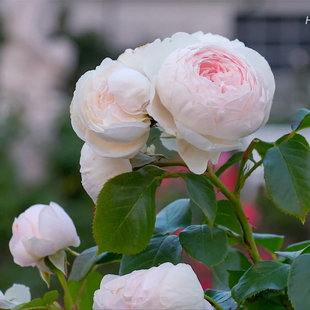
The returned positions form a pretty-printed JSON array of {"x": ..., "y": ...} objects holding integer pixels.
[{"x": 45, "y": 46}]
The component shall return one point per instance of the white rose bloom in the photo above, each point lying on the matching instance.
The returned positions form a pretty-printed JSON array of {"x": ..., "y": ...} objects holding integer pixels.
[
  {"x": 97, "y": 170},
  {"x": 207, "y": 91},
  {"x": 163, "y": 287},
  {"x": 108, "y": 109},
  {"x": 40, "y": 231},
  {"x": 15, "y": 295}
]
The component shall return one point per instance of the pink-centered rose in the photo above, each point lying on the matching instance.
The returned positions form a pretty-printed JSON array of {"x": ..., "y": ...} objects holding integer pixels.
[
  {"x": 163, "y": 287},
  {"x": 108, "y": 109},
  {"x": 40, "y": 231},
  {"x": 208, "y": 92}
]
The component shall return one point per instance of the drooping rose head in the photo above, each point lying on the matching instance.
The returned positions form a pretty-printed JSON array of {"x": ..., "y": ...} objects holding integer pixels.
[
  {"x": 97, "y": 170},
  {"x": 207, "y": 91},
  {"x": 108, "y": 109},
  {"x": 163, "y": 287},
  {"x": 40, "y": 231}
]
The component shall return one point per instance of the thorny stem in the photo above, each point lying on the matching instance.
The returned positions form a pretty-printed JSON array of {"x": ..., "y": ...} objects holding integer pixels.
[{"x": 250, "y": 245}]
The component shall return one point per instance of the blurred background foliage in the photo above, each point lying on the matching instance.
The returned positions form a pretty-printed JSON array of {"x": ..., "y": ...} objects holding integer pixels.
[{"x": 62, "y": 183}]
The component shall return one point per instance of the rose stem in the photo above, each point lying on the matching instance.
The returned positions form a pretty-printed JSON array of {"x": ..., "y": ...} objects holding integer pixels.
[{"x": 250, "y": 245}]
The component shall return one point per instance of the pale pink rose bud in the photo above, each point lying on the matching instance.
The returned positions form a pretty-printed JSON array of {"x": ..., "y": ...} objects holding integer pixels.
[
  {"x": 40, "y": 231},
  {"x": 164, "y": 287},
  {"x": 108, "y": 109},
  {"x": 97, "y": 170}
]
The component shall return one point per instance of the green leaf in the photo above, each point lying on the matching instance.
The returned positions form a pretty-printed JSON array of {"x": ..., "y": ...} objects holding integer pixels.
[
  {"x": 201, "y": 191},
  {"x": 173, "y": 217},
  {"x": 206, "y": 247},
  {"x": 296, "y": 137},
  {"x": 301, "y": 120},
  {"x": 50, "y": 297},
  {"x": 108, "y": 257},
  {"x": 92, "y": 284},
  {"x": 264, "y": 301},
  {"x": 223, "y": 298},
  {"x": 293, "y": 254},
  {"x": 262, "y": 147},
  {"x": 270, "y": 242},
  {"x": 298, "y": 282},
  {"x": 226, "y": 216},
  {"x": 231, "y": 161},
  {"x": 160, "y": 250},
  {"x": 265, "y": 275},
  {"x": 234, "y": 277},
  {"x": 125, "y": 216},
  {"x": 235, "y": 260},
  {"x": 83, "y": 264},
  {"x": 34, "y": 304},
  {"x": 298, "y": 246},
  {"x": 287, "y": 175}
]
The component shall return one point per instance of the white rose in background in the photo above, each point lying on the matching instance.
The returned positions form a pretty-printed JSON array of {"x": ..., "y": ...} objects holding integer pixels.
[
  {"x": 40, "y": 231},
  {"x": 14, "y": 296},
  {"x": 163, "y": 287},
  {"x": 208, "y": 92},
  {"x": 108, "y": 110},
  {"x": 97, "y": 170}
]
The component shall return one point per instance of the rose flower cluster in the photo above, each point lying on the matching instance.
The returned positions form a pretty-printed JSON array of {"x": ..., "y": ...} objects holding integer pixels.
[{"x": 204, "y": 92}]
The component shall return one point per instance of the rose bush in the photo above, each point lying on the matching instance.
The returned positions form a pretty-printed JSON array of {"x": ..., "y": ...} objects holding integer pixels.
[
  {"x": 97, "y": 170},
  {"x": 108, "y": 109},
  {"x": 163, "y": 287},
  {"x": 40, "y": 231},
  {"x": 208, "y": 92}
]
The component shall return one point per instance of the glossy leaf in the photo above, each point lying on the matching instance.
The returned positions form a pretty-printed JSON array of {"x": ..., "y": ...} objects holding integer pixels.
[
  {"x": 297, "y": 246},
  {"x": 287, "y": 175},
  {"x": 108, "y": 257},
  {"x": 125, "y": 216},
  {"x": 234, "y": 277},
  {"x": 173, "y": 217},
  {"x": 293, "y": 254},
  {"x": 201, "y": 191},
  {"x": 226, "y": 216},
  {"x": 50, "y": 297},
  {"x": 83, "y": 264},
  {"x": 301, "y": 120},
  {"x": 92, "y": 284},
  {"x": 265, "y": 275},
  {"x": 270, "y": 242},
  {"x": 268, "y": 300},
  {"x": 38, "y": 303},
  {"x": 235, "y": 260},
  {"x": 206, "y": 247},
  {"x": 262, "y": 147},
  {"x": 160, "y": 250},
  {"x": 223, "y": 298},
  {"x": 296, "y": 137},
  {"x": 231, "y": 161},
  {"x": 298, "y": 282}
]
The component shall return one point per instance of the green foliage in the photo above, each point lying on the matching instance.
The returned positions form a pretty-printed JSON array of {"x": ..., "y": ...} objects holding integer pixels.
[
  {"x": 287, "y": 175},
  {"x": 265, "y": 275},
  {"x": 234, "y": 260},
  {"x": 301, "y": 120},
  {"x": 201, "y": 191},
  {"x": 38, "y": 303},
  {"x": 108, "y": 257},
  {"x": 125, "y": 216},
  {"x": 84, "y": 298},
  {"x": 234, "y": 277},
  {"x": 226, "y": 216},
  {"x": 83, "y": 264},
  {"x": 173, "y": 217},
  {"x": 209, "y": 248},
  {"x": 270, "y": 242},
  {"x": 223, "y": 298},
  {"x": 262, "y": 147},
  {"x": 160, "y": 250},
  {"x": 235, "y": 158},
  {"x": 50, "y": 297},
  {"x": 298, "y": 282}
]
